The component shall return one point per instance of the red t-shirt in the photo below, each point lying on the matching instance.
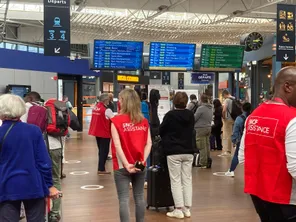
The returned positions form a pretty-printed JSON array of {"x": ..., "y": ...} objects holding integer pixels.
[
  {"x": 100, "y": 126},
  {"x": 133, "y": 138}
]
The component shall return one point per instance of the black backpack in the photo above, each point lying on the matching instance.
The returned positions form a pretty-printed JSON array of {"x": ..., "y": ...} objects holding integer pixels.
[
  {"x": 195, "y": 107},
  {"x": 236, "y": 109}
]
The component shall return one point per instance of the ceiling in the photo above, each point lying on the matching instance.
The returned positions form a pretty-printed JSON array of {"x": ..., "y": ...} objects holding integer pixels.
[{"x": 216, "y": 21}]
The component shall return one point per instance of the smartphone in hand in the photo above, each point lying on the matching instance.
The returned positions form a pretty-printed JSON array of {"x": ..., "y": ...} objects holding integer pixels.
[{"x": 140, "y": 166}]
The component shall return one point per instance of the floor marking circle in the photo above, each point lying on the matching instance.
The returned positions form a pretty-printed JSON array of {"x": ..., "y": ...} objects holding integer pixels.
[
  {"x": 72, "y": 161},
  {"x": 79, "y": 173},
  {"x": 92, "y": 187},
  {"x": 220, "y": 174}
]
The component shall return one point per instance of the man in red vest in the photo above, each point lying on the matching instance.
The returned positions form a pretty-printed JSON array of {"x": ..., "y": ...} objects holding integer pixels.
[
  {"x": 100, "y": 127},
  {"x": 268, "y": 150}
]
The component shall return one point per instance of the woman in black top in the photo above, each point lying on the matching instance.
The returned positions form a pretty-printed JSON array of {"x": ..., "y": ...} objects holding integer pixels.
[
  {"x": 217, "y": 127},
  {"x": 176, "y": 132}
]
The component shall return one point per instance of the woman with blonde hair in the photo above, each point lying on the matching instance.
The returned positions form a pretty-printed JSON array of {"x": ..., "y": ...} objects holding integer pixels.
[{"x": 131, "y": 145}]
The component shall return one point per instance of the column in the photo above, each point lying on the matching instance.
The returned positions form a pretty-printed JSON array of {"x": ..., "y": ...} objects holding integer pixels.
[
  {"x": 98, "y": 86},
  {"x": 237, "y": 86},
  {"x": 216, "y": 85},
  {"x": 115, "y": 89}
]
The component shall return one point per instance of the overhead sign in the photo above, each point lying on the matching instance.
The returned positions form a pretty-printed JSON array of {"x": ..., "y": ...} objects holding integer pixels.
[
  {"x": 171, "y": 56},
  {"x": 166, "y": 78},
  {"x": 118, "y": 55},
  {"x": 285, "y": 44},
  {"x": 221, "y": 57},
  {"x": 124, "y": 78},
  {"x": 57, "y": 28},
  {"x": 202, "y": 77}
]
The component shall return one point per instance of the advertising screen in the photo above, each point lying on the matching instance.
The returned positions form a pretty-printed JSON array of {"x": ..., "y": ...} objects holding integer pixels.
[
  {"x": 117, "y": 55},
  {"x": 171, "y": 56}
]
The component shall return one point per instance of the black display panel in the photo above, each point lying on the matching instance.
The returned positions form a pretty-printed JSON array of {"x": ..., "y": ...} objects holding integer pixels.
[
  {"x": 171, "y": 56},
  {"x": 57, "y": 28},
  {"x": 117, "y": 55},
  {"x": 221, "y": 57}
]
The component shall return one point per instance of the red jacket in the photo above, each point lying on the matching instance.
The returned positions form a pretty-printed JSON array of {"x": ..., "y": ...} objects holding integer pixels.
[
  {"x": 133, "y": 138},
  {"x": 100, "y": 126},
  {"x": 266, "y": 173}
]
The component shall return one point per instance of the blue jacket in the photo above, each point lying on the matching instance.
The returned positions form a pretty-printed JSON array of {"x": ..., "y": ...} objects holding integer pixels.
[
  {"x": 25, "y": 165},
  {"x": 145, "y": 110},
  {"x": 238, "y": 129}
]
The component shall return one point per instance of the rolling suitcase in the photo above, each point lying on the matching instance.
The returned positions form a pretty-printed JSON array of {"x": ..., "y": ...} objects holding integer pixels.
[{"x": 159, "y": 188}]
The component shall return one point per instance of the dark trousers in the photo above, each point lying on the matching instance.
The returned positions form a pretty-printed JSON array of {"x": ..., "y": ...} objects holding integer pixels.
[
  {"x": 216, "y": 132},
  {"x": 103, "y": 147},
  {"x": 271, "y": 212},
  {"x": 35, "y": 210}
]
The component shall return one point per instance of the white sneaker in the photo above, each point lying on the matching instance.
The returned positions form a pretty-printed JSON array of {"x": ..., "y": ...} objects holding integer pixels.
[
  {"x": 186, "y": 212},
  {"x": 176, "y": 214},
  {"x": 226, "y": 154},
  {"x": 229, "y": 174}
]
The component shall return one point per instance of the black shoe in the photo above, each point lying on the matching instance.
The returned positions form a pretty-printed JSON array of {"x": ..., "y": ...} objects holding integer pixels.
[{"x": 63, "y": 176}]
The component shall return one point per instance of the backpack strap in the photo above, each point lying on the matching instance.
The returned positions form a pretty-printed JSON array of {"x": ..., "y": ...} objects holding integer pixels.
[{"x": 4, "y": 137}]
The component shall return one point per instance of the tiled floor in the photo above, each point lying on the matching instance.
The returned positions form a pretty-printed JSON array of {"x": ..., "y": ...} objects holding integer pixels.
[{"x": 215, "y": 199}]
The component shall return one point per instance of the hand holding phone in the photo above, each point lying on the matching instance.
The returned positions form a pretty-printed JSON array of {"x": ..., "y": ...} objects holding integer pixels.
[{"x": 139, "y": 165}]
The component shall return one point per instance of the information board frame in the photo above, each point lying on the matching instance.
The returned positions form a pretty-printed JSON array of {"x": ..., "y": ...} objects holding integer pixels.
[
  {"x": 173, "y": 69},
  {"x": 57, "y": 28},
  {"x": 230, "y": 69},
  {"x": 118, "y": 69}
]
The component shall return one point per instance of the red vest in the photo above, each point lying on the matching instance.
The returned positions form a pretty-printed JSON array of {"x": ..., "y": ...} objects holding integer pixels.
[
  {"x": 133, "y": 138},
  {"x": 266, "y": 173},
  {"x": 100, "y": 126}
]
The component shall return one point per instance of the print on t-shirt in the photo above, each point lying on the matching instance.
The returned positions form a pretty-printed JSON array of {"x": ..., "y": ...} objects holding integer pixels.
[
  {"x": 262, "y": 126},
  {"x": 130, "y": 127}
]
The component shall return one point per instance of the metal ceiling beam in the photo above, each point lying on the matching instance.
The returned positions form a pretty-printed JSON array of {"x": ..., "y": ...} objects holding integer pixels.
[
  {"x": 81, "y": 6},
  {"x": 4, "y": 7},
  {"x": 166, "y": 9},
  {"x": 233, "y": 15}
]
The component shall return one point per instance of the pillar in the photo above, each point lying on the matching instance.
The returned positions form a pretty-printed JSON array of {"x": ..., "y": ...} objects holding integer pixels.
[
  {"x": 216, "y": 85},
  {"x": 98, "y": 86},
  {"x": 237, "y": 86}
]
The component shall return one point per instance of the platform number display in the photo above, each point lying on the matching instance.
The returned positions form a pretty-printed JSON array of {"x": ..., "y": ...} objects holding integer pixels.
[{"x": 57, "y": 28}]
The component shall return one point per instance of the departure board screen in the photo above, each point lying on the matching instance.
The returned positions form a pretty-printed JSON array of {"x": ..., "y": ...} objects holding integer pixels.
[
  {"x": 117, "y": 55},
  {"x": 221, "y": 57},
  {"x": 171, "y": 56}
]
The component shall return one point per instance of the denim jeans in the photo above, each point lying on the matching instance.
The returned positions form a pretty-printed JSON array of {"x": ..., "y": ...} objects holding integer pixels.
[
  {"x": 10, "y": 210},
  {"x": 103, "y": 147},
  {"x": 122, "y": 181},
  {"x": 234, "y": 161}
]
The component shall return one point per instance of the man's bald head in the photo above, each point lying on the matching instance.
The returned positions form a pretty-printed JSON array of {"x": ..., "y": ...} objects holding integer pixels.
[{"x": 285, "y": 85}]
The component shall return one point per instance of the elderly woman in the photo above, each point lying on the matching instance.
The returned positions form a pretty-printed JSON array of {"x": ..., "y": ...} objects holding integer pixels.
[{"x": 25, "y": 166}]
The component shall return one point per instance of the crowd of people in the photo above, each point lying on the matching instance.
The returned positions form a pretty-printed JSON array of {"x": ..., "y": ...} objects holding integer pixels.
[{"x": 264, "y": 140}]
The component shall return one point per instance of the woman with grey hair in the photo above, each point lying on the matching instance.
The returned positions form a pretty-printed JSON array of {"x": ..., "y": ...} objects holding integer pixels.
[
  {"x": 25, "y": 166},
  {"x": 100, "y": 127}
]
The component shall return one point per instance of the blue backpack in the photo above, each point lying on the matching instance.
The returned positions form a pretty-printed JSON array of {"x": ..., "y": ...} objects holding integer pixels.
[{"x": 145, "y": 110}]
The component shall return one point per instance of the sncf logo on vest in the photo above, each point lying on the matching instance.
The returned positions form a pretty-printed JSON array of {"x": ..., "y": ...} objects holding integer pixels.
[
  {"x": 130, "y": 127},
  {"x": 262, "y": 126}
]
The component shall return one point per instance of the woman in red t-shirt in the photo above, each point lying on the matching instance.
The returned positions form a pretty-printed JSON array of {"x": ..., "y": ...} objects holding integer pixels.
[{"x": 131, "y": 144}]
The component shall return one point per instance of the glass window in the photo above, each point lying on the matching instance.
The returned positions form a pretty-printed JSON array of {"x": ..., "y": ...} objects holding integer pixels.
[
  {"x": 22, "y": 47},
  {"x": 2, "y": 45},
  {"x": 10, "y": 46},
  {"x": 33, "y": 49},
  {"x": 41, "y": 50}
]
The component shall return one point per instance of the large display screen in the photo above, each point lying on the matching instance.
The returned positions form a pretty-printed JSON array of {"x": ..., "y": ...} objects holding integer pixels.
[
  {"x": 171, "y": 56},
  {"x": 117, "y": 55},
  {"x": 221, "y": 57}
]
